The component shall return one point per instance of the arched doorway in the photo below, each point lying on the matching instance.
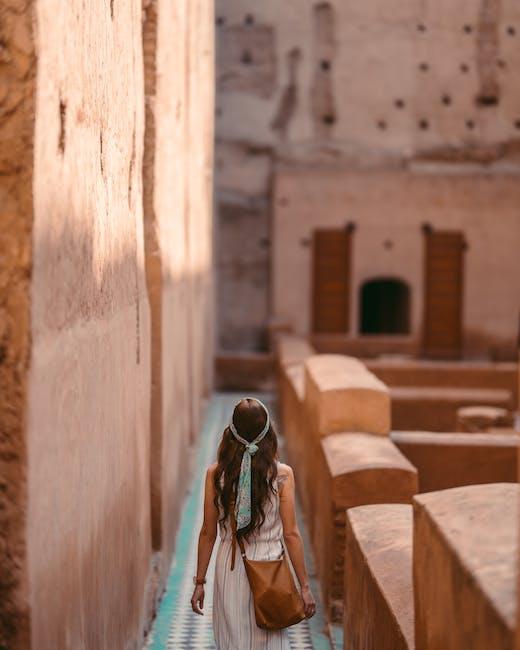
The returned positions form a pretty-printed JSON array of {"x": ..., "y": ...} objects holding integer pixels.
[{"x": 385, "y": 307}]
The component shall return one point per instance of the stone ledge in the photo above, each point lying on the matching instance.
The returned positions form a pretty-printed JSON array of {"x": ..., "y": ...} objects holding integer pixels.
[{"x": 447, "y": 460}]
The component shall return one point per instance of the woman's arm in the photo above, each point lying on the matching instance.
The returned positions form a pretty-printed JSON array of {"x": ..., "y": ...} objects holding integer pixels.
[
  {"x": 293, "y": 538},
  {"x": 207, "y": 537}
]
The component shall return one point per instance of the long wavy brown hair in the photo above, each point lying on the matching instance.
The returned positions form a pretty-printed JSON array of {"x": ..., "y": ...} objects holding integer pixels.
[{"x": 249, "y": 420}]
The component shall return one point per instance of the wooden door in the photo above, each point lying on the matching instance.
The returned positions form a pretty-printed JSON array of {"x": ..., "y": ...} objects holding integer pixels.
[
  {"x": 331, "y": 281},
  {"x": 443, "y": 293}
]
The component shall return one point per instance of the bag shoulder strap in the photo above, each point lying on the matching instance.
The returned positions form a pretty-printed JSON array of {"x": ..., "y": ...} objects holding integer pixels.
[{"x": 234, "y": 539}]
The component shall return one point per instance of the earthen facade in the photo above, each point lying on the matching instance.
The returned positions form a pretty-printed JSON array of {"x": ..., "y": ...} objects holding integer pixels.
[
  {"x": 105, "y": 200},
  {"x": 393, "y": 122}
]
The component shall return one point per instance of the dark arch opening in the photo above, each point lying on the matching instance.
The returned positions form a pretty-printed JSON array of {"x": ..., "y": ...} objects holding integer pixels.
[{"x": 385, "y": 307}]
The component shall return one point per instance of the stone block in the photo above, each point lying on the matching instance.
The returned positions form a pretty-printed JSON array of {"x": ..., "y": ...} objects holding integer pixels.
[
  {"x": 342, "y": 395},
  {"x": 465, "y": 567},
  {"x": 292, "y": 349},
  {"x": 379, "y": 606},
  {"x": 483, "y": 418},
  {"x": 291, "y": 353},
  {"x": 447, "y": 460},
  {"x": 351, "y": 469},
  {"x": 291, "y": 388},
  {"x": 435, "y": 409}
]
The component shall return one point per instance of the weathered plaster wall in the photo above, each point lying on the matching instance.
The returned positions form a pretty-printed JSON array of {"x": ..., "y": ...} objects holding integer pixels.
[
  {"x": 88, "y": 519},
  {"x": 178, "y": 223},
  {"x": 389, "y": 208},
  {"x": 105, "y": 192},
  {"x": 349, "y": 84},
  {"x": 17, "y": 76},
  {"x": 200, "y": 130}
]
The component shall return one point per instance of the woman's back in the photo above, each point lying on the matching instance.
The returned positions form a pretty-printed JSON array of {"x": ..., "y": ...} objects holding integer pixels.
[{"x": 271, "y": 529}]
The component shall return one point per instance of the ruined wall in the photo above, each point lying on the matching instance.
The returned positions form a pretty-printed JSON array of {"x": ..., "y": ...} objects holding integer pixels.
[
  {"x": 17, "y": 73},
  {"x": 389, "y": 208},
  {"x": 348, "y": 84}
]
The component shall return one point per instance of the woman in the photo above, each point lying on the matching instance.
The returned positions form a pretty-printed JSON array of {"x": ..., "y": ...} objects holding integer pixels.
[{"x": 247, "y": 486}]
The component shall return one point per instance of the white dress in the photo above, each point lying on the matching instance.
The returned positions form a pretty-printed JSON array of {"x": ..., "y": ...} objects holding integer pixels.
[{"x": 234, "y": 624}]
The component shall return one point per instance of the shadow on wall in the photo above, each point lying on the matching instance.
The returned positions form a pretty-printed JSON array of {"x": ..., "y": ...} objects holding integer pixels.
[{"x": 88, "y": 438}]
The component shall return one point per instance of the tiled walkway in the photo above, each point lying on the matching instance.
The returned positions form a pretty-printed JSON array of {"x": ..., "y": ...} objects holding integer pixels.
[{"x": 176, "y": 626}]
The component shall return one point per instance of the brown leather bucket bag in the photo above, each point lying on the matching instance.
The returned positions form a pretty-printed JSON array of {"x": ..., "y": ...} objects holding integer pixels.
[{"x": 278, "y": 603}]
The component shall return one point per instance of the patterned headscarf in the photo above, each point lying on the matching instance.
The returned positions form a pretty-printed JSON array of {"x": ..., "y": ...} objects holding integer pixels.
[{"x": 243, "y": 501}]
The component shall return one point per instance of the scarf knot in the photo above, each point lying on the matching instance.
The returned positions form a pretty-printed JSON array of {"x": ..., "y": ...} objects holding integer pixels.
[{"x": 252, "y": 449}]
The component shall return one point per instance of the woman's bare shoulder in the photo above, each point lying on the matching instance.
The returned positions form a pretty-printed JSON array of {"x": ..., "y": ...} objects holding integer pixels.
[
  {"x": 210, "y": 472},
  {"x": 284, "y": 471}
]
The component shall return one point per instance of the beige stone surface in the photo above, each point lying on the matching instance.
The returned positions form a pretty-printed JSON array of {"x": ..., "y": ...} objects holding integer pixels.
[
  {"x": 482, "y": 418},
  {"x": 178, "y": 243},
  {"x": 341, "y": 395},
  {"x": 466, "y": 557},
  {"x": 349, "y": 470},
  {"x": 292, "y": 350},
  {"x": 435, "y": 409},
  {"x": 379, "y": 606},
  {"x": 447, "y": 460},
  {"x": 398, "y": 371},
  {"x": 88, "y": 405}
]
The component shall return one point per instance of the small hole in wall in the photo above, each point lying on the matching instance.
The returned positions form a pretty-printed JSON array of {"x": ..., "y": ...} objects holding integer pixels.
[
  {"x": 325, "y": 65},
  {"x": 424, "y": 67},
  {"x": 421, "y": 27},
  {"x": 446, "y": 100},
  {"x": 63, "y": 120},
  {"x": 101, "y": 161},
  {"x": 517, "y": 125},
  {"x": 487, "y": 100},
  {"x": 328, "y": 119},
  {"x": 382, "y": 125},
  {"x": 249, "y": 19},
  {"x": 388, "y": 244},
  {"x": 511, "y": 30},
  {"x": 468, "y": 29},
  {"x": 399, "y": 103},
  {"x": 470, "y": 125},
  {"x": 220, "y": 20},
  {"x": 246, "y": 58},
  {"x": 424, "y": 125},
  {"x": 501, "y": 64},
  {"x": 464, "y": 68}
]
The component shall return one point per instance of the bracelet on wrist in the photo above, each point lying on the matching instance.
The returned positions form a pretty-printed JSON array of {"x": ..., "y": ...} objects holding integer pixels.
[{"x": 199, "y": 581}]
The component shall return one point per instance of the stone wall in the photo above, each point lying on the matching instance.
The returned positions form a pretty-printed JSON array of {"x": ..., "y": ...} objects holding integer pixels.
[
  {"x": 178, "y": 227},
  {"x": 358, "y": 86},
  {"x": 106, "y": 351},
  {"x": 17, "y": 86}
]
